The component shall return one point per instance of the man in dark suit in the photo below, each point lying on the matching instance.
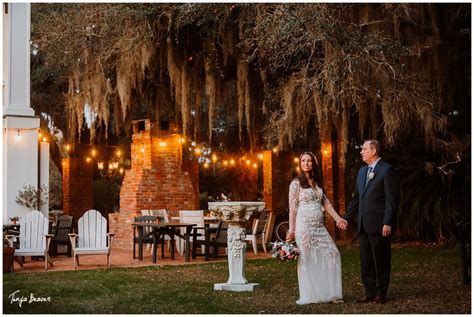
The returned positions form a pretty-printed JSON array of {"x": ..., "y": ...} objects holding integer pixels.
[{"x": 374, "y": 203}]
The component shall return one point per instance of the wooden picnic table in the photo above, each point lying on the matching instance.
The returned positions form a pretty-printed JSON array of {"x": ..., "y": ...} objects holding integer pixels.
[{"x": 160, "y": 230}]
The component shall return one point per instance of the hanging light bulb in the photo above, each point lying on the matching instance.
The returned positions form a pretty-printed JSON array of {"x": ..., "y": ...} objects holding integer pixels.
[
  {"x": 68, "y": 147},
  {"x": 88, "y": 159},
  {"x": 296, "y": 160},
  {"x": 93, "y": 153},
  {"x": 119, "y": 153},
  {"x": 17, "y": 135},
  {"x": 260, "y": 156},
  {"x": 214, "y": 158},
  {"x": 254, "y": 165},
  {"x": 232, "y": 162},
  {"x": 206, "y": 165}
]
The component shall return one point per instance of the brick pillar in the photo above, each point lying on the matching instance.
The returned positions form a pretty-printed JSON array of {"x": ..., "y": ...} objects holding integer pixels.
[
  {"x": 278, "y": 171},
  {"x": 158, "y": 179},
  {"x": 77, "y": 186}
]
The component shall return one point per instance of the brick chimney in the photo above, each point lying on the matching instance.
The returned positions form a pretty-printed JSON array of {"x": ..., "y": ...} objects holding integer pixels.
[{"x": 158, "y": 178}]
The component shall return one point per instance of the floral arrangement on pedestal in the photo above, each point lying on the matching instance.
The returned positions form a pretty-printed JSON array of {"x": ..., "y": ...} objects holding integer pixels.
[{"x": 284, "y": 251}]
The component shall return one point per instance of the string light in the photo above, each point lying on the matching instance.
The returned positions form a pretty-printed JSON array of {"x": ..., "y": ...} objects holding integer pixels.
[
  {"x": 206, "y": 165},
  {"x": 225, "y": 163},
  {"x": 88, "y": 159},
  {"x": 254, "y": 165},
  {"x": 121, "y": 170},
  {"x": 232, "y": 162},
  {"x": 198, "y": 151},
  {"x": 260, "y": 156},
  {"x": 119, "y": 153},
  {"x": 214, "y": 158},
  {"x": 93, "y": 153},
  {"x": 45, "y": 140},
  {"x": 68, "y": 147},
  {"x": 247, "y": 162},
  {"x": 296, "y": 160},
  {"x": 275, "y": 150}
]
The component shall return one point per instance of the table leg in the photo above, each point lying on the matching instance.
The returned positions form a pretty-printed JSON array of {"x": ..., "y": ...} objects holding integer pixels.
[
  {"x": 186, "y": 249},
  {"x": 173, "y": 244},
  {"x": 171, "y": 234},
  {"x": 155, "y": 243},
  {"x": 140, "y": 243}
]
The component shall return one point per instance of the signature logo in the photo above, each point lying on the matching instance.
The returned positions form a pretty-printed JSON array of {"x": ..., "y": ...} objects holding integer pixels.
[{"x": 15, "y": 297}]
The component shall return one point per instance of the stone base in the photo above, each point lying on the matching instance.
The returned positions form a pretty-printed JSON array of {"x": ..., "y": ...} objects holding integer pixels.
[{"x": 249, "y": 287}]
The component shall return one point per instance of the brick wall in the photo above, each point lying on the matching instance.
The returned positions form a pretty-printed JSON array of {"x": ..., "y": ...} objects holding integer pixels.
[
  {"x": 158, "y": 179},
  {"x": 77, "y": 186}
]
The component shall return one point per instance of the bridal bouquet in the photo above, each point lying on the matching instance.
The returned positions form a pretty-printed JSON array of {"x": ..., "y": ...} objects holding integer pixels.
[{"x": 284, "y": 251}]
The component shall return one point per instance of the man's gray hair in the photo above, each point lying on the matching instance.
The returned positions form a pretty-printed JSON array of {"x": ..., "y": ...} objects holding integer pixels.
[{"x": 374, "y": 144}]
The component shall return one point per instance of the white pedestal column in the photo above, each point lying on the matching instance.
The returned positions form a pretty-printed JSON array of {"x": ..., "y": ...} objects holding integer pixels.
[
  {"x": 236, "y": 214},
  {"x": 236, "y": 248}
]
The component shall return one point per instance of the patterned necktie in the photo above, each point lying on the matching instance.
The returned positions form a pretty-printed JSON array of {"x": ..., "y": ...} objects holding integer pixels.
[{"x": 370, "y": 170}]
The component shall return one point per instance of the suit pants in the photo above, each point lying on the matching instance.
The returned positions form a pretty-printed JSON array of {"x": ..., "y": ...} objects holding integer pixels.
[{"x": 375, "y": 262}]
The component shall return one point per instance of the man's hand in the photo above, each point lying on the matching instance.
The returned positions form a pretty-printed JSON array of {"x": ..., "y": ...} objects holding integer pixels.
[
  {"x": 386, "y": 230},
  {"x": 342, "y": 224}
]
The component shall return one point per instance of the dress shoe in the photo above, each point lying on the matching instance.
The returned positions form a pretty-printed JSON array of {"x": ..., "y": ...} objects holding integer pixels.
[
  {"x": 379, "y": 300},
  {"x": 364, "y": 299}
]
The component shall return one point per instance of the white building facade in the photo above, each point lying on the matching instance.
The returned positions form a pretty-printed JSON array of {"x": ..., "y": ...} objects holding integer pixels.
[{"x": 20, "y": 125}]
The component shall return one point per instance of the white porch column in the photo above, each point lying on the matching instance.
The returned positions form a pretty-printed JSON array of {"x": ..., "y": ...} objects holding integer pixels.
[
  {"x": 44, "y": 174},
  {"x": 20, "y": 133}
]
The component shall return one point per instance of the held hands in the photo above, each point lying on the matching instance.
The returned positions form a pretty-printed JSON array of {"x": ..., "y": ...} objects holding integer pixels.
[
  {"x": 386, "y": 230},
  {"x": 342, "y": 224}
]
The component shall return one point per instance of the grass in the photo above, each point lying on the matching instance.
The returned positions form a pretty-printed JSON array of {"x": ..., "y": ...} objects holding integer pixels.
[{"x": 423, "y": 280}]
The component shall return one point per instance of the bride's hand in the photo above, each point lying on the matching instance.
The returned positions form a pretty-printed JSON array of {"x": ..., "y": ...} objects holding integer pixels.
[{"x": 290, "y": 237}]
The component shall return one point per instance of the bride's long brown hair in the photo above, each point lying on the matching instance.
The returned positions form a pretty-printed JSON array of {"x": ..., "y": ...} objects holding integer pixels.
[{"x": 312, "y": 174}]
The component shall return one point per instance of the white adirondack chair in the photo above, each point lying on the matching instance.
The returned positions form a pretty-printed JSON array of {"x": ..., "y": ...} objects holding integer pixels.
[
  {"x": 259, "y": 228},
  {"x": 191, "y": 216},
  {"x": 34, "y": 238},
  {"x": 92, "y": 236}
]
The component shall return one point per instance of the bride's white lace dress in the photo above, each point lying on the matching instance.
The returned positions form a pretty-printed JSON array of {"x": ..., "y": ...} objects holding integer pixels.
[{"x": 319, "y": 263}]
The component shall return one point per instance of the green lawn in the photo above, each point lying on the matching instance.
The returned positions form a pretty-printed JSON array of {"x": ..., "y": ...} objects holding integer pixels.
[{"x": 424, "y": 280}]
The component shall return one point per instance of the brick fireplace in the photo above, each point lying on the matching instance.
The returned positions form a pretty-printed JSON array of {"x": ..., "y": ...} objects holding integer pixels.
[{"x": 158, "y": 178}]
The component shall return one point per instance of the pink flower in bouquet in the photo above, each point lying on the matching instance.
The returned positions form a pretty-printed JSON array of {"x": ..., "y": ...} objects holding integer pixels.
[{"x": 284, "y": 251}]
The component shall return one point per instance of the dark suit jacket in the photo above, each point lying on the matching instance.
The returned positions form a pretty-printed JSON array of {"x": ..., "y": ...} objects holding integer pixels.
[{"x": 376, "y": 204}]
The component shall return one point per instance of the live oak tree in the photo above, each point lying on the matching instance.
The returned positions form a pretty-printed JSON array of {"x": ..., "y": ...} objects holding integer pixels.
[{"x": 286, "y": 75}]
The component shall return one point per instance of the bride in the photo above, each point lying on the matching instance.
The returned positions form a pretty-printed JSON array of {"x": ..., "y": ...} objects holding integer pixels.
[{"x": 319, "y": 263}]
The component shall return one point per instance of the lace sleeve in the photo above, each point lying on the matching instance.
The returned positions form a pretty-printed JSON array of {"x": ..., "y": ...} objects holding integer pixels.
[
  {"x": 328, "y": 207},
  {"x": 293, "y": 202}
]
